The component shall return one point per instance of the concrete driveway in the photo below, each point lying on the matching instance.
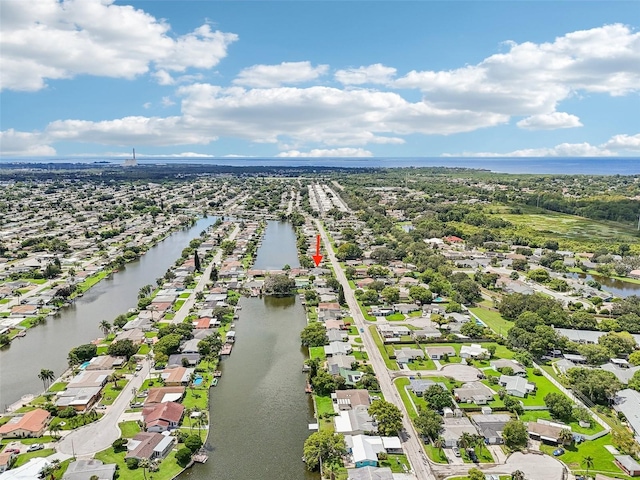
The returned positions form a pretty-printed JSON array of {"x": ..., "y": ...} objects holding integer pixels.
[{"x": 534, "y": 466}]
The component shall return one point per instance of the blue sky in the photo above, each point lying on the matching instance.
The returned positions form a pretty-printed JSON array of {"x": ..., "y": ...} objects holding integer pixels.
[{"x": 309, "y": 79}]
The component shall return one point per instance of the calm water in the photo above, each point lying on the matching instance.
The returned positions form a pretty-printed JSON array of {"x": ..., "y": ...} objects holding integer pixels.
[
  {"x": 46, "y": 346},
  {"x": 259, "y": 411},
  {"x": 617, "y": 287},
  {"x": 566, "y": 165},
  {"x": 278, "y": 247}
]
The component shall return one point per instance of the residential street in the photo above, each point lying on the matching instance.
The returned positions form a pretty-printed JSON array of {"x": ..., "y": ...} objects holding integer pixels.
[
  {"x": 98, "y": 436},
  {"x": 410, "y": 439},
  {"x": 204, "y": 279}
]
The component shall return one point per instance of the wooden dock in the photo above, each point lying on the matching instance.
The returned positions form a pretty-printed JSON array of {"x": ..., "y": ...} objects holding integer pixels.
[{"x": 200, "y": 458}]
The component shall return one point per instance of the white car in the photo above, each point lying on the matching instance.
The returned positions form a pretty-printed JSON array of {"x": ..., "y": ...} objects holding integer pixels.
[
  {"x": 456, "y": 451},
  {"x": 35, "y": 446}
]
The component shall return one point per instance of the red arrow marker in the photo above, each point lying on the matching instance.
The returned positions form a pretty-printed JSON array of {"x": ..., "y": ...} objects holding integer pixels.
[{"x": 317, "y": 258}]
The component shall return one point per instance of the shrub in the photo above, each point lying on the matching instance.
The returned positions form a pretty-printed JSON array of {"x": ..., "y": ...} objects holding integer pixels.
[
  {"x": 132, "y": 463},
  {"x": 183, "y": 457},
  {"x": 119, "y": 445}
]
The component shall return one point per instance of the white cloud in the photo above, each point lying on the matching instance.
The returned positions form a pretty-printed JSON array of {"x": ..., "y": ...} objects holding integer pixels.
[
  {"x": 585, "y": 149},
  {"x": 14, "y": 143},
  {"x": 531, "y": 79},
  {"x": 286, "y": 73},
  {"x": 334, "y": 152},
  {"x": 624, "y": 142},
  {"x": 175, "y": 155},
  {"x": 146, "y": 105},
  {"x": 167, "y": 102},
  {"x": 376, "y": 73},
  {"x": 550, "y": 121},
  {"x": 51, "y": 39}
]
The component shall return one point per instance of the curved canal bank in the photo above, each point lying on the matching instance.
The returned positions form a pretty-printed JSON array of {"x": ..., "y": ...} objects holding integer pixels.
[
  {"x": 47, "y": 345},
  {"x": 259, "y": 413}
]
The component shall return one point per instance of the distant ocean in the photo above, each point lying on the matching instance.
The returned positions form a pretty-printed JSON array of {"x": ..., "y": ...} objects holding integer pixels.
[{"x": 565, "y": 165}]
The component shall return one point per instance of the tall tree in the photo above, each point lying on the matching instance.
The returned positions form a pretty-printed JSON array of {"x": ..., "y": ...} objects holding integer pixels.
[
  {"x": 196, "y": 262},
  {"x": 388, "y": 416},
  {"x": 47, "y": 376},
  {"x": 324, "y": 447},
  {"x": 105, "y": 327},
  {"x": 588, "y": 462}
]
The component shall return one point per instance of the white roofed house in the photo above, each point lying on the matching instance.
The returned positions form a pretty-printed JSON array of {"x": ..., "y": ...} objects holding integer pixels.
[
  {"x": 474, "y": 351},
  {"x": 408, "y": 355},
  {"x": 516, "y": 386},
  {"x": 337, "y": 348}
]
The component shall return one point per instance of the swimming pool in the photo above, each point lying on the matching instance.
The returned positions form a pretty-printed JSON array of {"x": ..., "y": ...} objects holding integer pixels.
[
  {"x": 84, "y": 365},
  {"x": 197, "y": 381}
]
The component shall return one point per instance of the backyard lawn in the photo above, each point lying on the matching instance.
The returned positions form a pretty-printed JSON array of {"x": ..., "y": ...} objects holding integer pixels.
[
  {"x": 316, "y": 352},
  {"x": 110, "y": 393},
  {"x": 129, "y": 429},
  {"x": 493, "y": 320},
  {"x": 324, "y": 412},
  {"x": 168, "y": 468},
  {"x": 534, "y": 415},
  {"x": 436, "y": 454},
  {"x": 602, "y": 458}
]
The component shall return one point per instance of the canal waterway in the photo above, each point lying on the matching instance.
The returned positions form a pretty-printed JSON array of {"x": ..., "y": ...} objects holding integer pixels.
[
  {"x": 618, "y": 288},
  {"x": 259, "y": 413},
  {"x": 47, "y": 345}
]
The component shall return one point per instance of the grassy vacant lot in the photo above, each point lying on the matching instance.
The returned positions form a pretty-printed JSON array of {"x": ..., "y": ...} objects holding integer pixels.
[
  {"x": 570, "y": 226},
  {"x": 324, "y": 412},
  {"x": 129, "y": 429},
  {"x": 316, "y": 352},
  {"x": 436, "y": 454},
  {"x": 602, "y": 459},
  {"x": 391, "y": 364},
  {"x": 493, "y": 320},
  {"x": 168, "y": 468}
]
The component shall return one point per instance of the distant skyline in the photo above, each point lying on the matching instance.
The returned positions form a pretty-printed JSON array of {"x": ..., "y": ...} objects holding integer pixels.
[{"x": 319, "y": 79}]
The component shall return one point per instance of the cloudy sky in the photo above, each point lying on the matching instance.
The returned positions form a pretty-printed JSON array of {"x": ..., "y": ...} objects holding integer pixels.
[{"x": 313, "y": 79}]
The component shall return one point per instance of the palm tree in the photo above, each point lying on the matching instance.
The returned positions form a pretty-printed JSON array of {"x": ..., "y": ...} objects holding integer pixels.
[
  {"x": 478, "y": 441},
  {"x": 114, "y": 377},
  {"x": 465, "y": 440},
  {"x": 187, "y": 413},
  {"x": 202, "y": 421},
  {"x": 144, "y": 464},
  {"x": 105, "y": 327},
  {"x": 588, "y": 462},
  {"x": 565, "y": 436},
  {"x": 518, "y": 475},
  {"x": 54, "y": 430},
  {"x": 46, "y": 376}
]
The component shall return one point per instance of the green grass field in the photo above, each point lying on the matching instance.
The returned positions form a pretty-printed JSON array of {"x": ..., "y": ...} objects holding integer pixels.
[
  {"x": 129, "y": 429},
  {"x": 493, "y": 320},
  {"x": 391, "y": 364},
  {"x": 168, "y": 468}
]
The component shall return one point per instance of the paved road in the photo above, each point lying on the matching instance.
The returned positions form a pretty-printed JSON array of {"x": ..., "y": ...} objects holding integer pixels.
[
  {"x": 99, "y": 435},
  {"x": 462, "y": 373},
  {"x": 411, "y": 441},
  {"x": 202, "y": 283}
]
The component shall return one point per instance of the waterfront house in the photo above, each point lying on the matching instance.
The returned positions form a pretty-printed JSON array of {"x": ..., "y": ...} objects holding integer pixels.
[
  {"x": 136, "y": 335},
  {"x": 329, "y": 311},
  {"x": 351, "y": 377},
  {"x": 370, "y": 473},
  {"x": 348, "y": 399},
  {"x": 105, "y": 362},
  {"x": 149, "y": 445},
  {"x": 356, "y": 421},
  {"x": 335, "y": 335},
  {"x": 162, "y": 417},
  {"x": 80, "y": 398},
  {"x": 337, "y": 348},
  {"x": 164, "y": 394},
  {"x": 190, "y": 346},
  {"x": 335, "y": 363},
  {"x": 180, "y": 359},
  {"x": 177, "y": 376},
  {"x": 30, "y": 424},
  {"x": 364, "y": 449}
]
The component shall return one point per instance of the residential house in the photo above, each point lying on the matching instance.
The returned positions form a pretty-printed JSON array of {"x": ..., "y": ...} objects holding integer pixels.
[
  {"x": 351, "y": 377},
  {"x": 474, "y": 351},
  {"x": 161, "y": 417},
  {"x": 164, "y": 394},
  {"x": 405, "y": 355},
  {"x": 490, "y": 426},
  {"x": 30, "y": 424},
  {"x": 136, "y": 336},
  {"x": 516, "y": 386},
  {"x": 181, "y": 359},
  {"x": 81, "y": 398},
  {"x": 438, "y": 353},
  {"x": 563, "y": 365},
  {"x": 337, "y": 348},
  {"x": 356, "y": 421},
  {"x": 474, "y": 392},
  {"x": 364, "y": 449},
  {"x": 505, "y": 363},
  {"x": 425, "y": 333},
  {"x": 627, "y": 402},
  {"x": 454, "y": 427},
  {"x": 546, "y": 431},
  {"x": 6, "y": 460},
  {"x": 335, "y": 324},
  {"x": 335, "y": 335},
  {"x": 84, "y": 469},
  {"x": 190, "y": 346},
  {"x": 628, "y": 464},
  {"x": 419, "y": 386},
  {"x": 393, "y": 331},
  {"x": 337, "y": 362},
  {"x": 105, "y": 362},
  {"x": 150, "y": 445},
  {"x": 329, "y": 311},
  {"x": 349, "y": 399},
  {"x": 177, "y": 376}
]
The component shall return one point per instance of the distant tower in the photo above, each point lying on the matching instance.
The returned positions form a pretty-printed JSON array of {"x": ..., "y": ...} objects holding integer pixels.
[{"x": 131, "y": 162}]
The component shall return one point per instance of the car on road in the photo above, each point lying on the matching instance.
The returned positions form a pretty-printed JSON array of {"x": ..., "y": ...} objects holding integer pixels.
[
  {"x": 138, "y": 367},
  {"x": 558, "y": 451},
  {"x": 35, "y": 446},
  {"x": 456, "y": 451},
  {"x": 362, "y": 330}
]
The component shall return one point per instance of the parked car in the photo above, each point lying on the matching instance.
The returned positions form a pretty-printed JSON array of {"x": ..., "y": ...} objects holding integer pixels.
[
  {"x": 35, "y": 446},
  {"x": 472, "y": 455},
  {"x": 456, "y": 451},
  {"x": 138, "y": 367},
  {"x": 12, "y": 450},
  {"x": 558, "y": 451}
]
